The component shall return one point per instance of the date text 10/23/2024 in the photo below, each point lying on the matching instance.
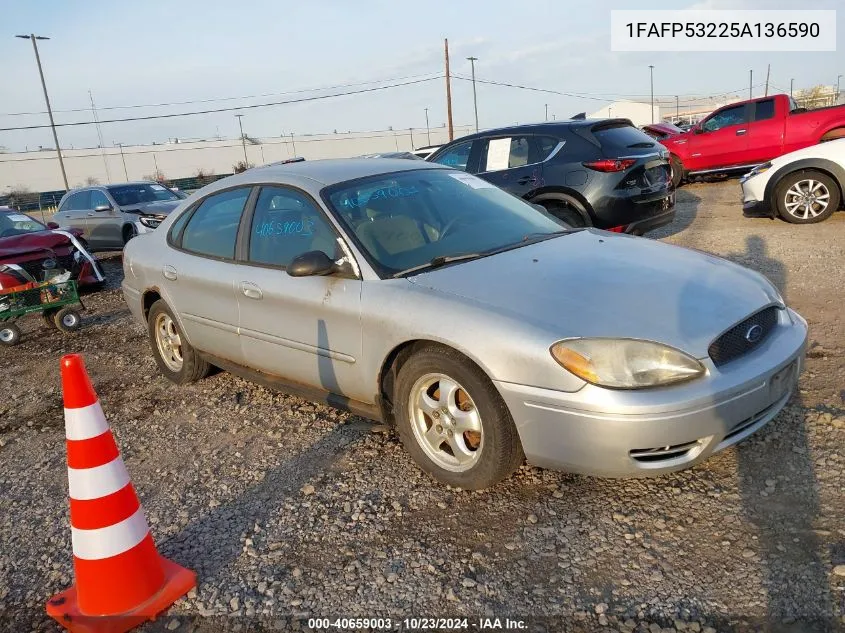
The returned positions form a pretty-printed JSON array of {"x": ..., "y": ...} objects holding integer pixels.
[{"x": 418, "y": 624}]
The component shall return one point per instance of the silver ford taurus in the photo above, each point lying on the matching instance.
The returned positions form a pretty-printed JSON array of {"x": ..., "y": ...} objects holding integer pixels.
[{"x": 485, "y": 330}]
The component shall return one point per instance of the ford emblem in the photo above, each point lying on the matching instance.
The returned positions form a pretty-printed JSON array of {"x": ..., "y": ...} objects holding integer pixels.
[{"x": 754, "y": 333}]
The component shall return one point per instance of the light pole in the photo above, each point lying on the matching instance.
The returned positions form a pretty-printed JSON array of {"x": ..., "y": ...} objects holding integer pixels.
[
  {"x": 838, "y": 77},
  {"x": 472, "y": 61},
  {"x": 123, "y": 158},
  {"x": 32, "y": 37},
  {"x": 547, "y": 112},
  {"x": 677, "y": 108},
  {"x": 427, "y": 129},
  {"x": 243, "y": 139},
  {"x": 651, "y": 76},
  {"x": 791, "y": 83}
]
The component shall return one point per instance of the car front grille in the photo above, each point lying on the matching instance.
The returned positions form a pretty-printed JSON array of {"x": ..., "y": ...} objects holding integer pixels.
[{"x": 743, "y": 337}]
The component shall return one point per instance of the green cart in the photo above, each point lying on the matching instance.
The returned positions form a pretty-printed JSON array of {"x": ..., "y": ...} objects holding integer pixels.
[{"x": 52, "y": 300}]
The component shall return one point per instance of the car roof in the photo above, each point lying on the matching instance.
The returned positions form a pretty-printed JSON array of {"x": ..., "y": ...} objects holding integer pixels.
[
  {"x": 326, "y": 172},
  {"x": 115, "y": 184},
  {"x": 549, "y": 127}
]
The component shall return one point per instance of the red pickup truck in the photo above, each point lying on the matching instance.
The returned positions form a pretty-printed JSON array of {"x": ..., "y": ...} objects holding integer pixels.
[{"x": 748, "y": 133}]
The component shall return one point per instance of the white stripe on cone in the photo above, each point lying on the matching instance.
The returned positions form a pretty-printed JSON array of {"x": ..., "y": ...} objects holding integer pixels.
[
  {"x": 109, "y": 541},
  {"x": 85, "y": 422},
  {"x": 100, "y": 481}
]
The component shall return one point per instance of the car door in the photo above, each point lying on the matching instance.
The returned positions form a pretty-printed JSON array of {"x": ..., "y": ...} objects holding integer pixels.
[
  {"x": 304, "y": 329},
  {"x": 72, "y": 213},
  {"x": 512, "y": 163},
  {"x": 765, "y": 133},
  {"x": 200, "y": 274},
  {"x": 104, "y": 221},
  {"x": 721, "y": 139}
]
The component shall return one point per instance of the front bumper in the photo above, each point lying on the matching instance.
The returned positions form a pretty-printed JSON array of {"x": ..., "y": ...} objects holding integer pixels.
[
  {"x": 754, "y": 204},
  {"x": 612, "y": 433}
]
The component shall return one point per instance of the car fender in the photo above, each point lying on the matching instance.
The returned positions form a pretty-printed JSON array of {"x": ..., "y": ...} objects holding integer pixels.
[
  {"x": 561, "y": 193},
  {"x": 835, "y": 171}
]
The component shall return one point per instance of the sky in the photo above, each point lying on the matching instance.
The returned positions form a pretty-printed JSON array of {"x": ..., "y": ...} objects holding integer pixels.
[{"x": 207, "y": 52}]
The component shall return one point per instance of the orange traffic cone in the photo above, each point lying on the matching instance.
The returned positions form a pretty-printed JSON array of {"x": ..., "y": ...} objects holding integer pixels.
[{"x": 121, "y": 580}]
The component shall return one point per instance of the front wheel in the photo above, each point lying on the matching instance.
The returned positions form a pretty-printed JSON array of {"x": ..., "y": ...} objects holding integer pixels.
[
  {"x": 67, "y": 320},
  {"x": 10, "y": 334},
  {"x": 677, "y": 171},
  {"x": 806, "y": 197},
  {"x": 453, "y": 422},
  {"x": 175, "y": 357},
  {"x": 129, "y": 231}
]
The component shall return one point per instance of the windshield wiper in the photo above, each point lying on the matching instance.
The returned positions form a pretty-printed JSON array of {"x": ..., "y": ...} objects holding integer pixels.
[{"x": 441, "y": 260}]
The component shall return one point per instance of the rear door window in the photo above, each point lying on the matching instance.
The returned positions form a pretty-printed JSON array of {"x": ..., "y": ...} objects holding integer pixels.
[
  {"x": 764, "y": 110},
  {"x": 213, "y": 228},
  {"x": 506, "y": 153}
]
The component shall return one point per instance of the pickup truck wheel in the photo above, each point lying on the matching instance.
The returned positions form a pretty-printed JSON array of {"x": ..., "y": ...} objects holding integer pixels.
[
  {"x": 677, "y": 171},
  {"x": 806, "y": 197}
]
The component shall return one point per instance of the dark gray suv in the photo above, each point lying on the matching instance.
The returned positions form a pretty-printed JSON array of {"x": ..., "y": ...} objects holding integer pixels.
[{"x": 604, "y": 173}]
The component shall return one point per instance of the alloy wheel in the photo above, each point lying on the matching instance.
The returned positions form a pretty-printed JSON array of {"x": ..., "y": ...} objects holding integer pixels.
[
  {"x": 169, "y": 342},
  {"x": 807, "y": 199}
]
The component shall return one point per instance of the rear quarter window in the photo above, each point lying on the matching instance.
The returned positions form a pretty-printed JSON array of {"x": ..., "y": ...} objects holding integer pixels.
[{"x": 622, "y": 138}]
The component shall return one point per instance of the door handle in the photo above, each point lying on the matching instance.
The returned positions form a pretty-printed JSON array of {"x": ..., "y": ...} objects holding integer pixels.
[
  {"x": 526, "y": 179},
  {"x": 169, "y": 272},
  {"x": 250, "y": 290},
  {"x": 741, "y": 132},
  {"x": 91, "y": 215}
]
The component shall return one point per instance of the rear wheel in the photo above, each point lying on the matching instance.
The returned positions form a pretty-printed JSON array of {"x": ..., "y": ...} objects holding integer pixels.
[
  {"x": 806, "y": 197},
  {"x": 10, "y": 334},
  {"x": 67, "y": 320},
  {"x": 175, "y": 357},
  {"x": 677, "y": 171},
  {"x": 568, "y": 210},
  {"x": 453, "y": 422}
]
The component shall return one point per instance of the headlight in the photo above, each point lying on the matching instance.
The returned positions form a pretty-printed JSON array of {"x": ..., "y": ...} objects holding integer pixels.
[
  {"x": 625, "y": 363},
  {"x": 150, "y": 222},
  {"x": 759, "y": 169}
]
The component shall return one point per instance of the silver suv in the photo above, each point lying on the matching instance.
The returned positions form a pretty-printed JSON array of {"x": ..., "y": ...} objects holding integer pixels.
[{"x": 111, "y": 215}]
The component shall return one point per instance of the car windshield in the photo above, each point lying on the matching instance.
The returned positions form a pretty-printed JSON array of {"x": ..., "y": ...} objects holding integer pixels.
[
  {"x": 18, "y": 223},
  {"x": 422, "y": 218},
  {"x": 126, "y": 195}
]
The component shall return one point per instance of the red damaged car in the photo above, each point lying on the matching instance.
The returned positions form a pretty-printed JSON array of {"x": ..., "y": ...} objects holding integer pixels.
[{"x": 33, "y": 252}]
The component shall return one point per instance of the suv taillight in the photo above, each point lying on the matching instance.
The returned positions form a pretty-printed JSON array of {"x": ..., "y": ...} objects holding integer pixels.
[{"x": 611, "y": 164}]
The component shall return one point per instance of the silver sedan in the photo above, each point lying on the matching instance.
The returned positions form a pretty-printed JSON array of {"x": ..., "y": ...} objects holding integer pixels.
[{"x": 485, "y": 330}]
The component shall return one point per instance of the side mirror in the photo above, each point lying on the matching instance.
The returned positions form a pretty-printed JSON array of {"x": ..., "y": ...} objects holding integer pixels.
[
  {"x": 53, "y": 225},
  {"x": 312, "y": 263},
  {"x": 102, "y": 208},
  {"x": 698, "y": 130}
]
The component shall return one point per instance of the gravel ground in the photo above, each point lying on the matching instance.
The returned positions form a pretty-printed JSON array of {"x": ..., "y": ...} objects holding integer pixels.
[{"x": 289, "y": 510}]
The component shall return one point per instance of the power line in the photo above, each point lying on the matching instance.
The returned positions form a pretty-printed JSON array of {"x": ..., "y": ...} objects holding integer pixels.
[
  {"x": 230, "y": 109},
  {"x": 214, "y": 99}
]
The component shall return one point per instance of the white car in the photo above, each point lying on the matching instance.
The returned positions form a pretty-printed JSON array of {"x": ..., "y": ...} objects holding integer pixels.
[
  {"x": 803, "y": 187},
  {"x": 425, "y": 152}
]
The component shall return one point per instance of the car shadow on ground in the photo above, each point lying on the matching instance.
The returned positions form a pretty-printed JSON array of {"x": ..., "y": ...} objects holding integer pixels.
[
  {"x": 686, "y": 210},
  {"x": 794, "y": 568}
]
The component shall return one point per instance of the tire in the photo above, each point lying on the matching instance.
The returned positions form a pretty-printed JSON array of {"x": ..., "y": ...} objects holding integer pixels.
[
  {"x": 10, "y": 334},
  {"x": 67, "y": 320},
  {"x": 47, "y": 317},
  {"x": 568, "y": 211},
  {"x": 480, "y": 459},
  {"x": 791, "y": 204},
  {"x": 177, "y": 360},
  {"x": 677, "y": 171},
  {"x": 129, "y": 231}
]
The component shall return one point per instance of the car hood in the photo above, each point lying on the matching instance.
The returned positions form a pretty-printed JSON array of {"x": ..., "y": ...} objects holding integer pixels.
[
  {"x": 160, "y": 208},
  {"x": 593, "y": 283},
  {"x": 17, "y": 245}
]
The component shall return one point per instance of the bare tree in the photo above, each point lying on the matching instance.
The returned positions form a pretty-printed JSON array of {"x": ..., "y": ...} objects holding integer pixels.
[
  {"x": 241, "y": 166},
  {"x": 157, "y": 176}
]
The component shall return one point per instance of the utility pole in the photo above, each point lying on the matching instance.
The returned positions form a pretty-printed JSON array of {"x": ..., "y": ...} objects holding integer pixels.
[
  {"x": 472, "y": 61},
  {"x": 651, "y": 75},
  {"x": 293, "y": 143},
  {"x": 838, "y": 77},
  {"x": 243, "y": 139},
  {"x": 100, "y": 137},
  {"x": 123, "y": 158},
  {"x": 448, "y": 92},
  {"x": 32, "y": 37},
  {"x": 750, "y": 82},
  {"x": 155, "y": 164},
  {"x": 547, "y": 112},
  {"x": 427, "y": 129},
  {"x": 768, "y": 70},
  {"x": 791, "y": 82},
  {"x": 677, "y": 108},
  {"x": 411, "y": 130}
]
